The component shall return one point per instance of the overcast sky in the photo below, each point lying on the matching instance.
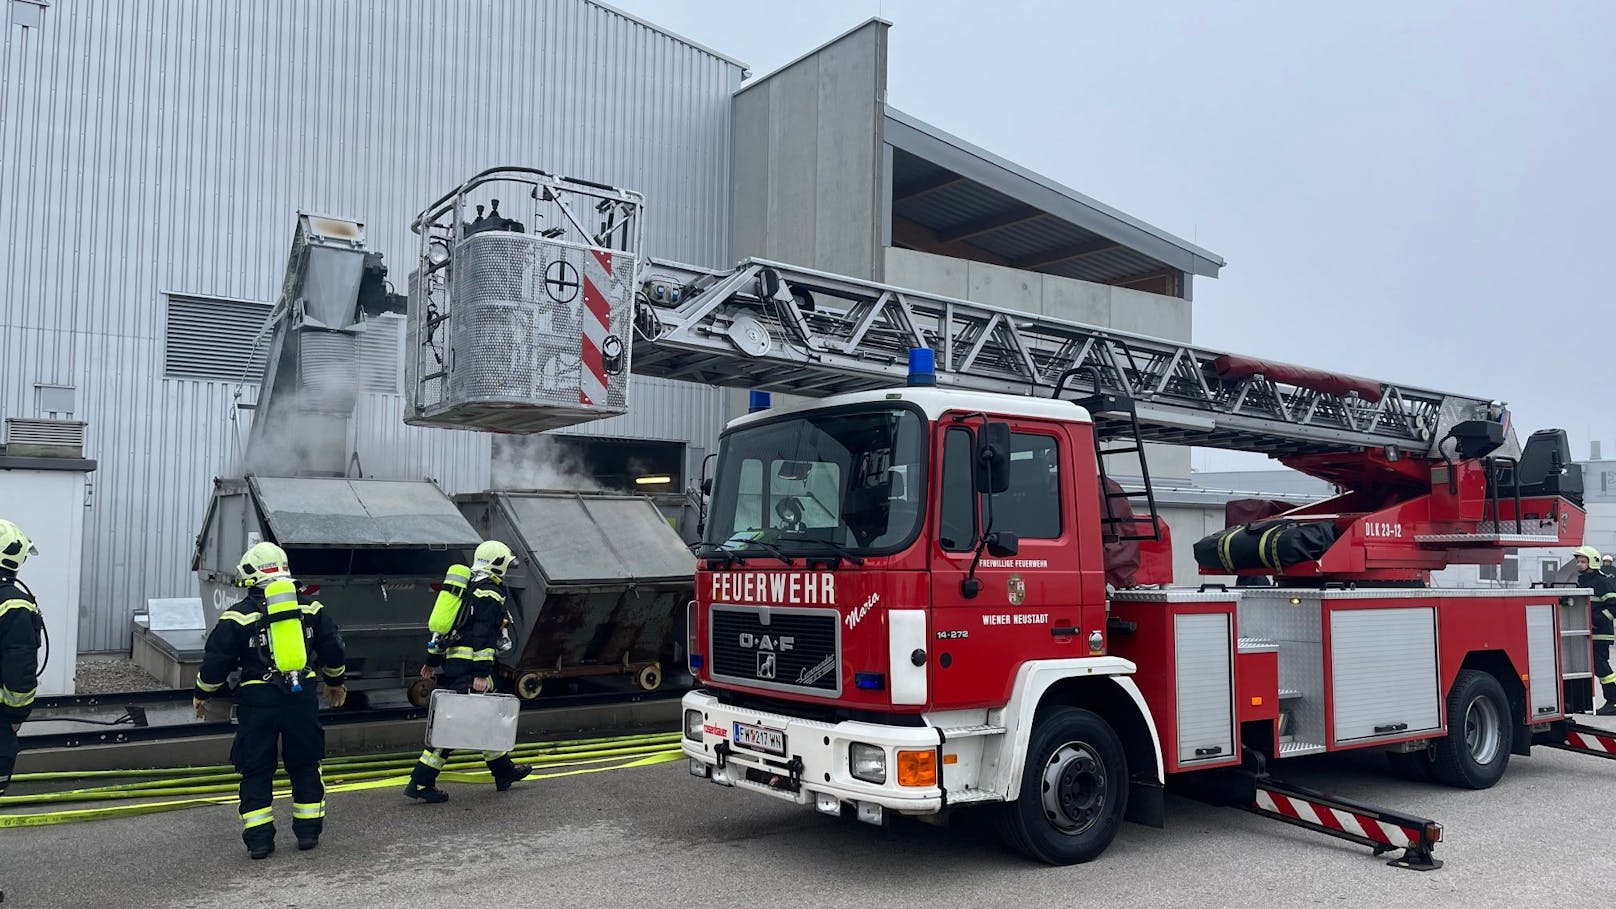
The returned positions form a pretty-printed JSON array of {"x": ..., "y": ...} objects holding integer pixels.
[{"x": 1416, "y": 192}]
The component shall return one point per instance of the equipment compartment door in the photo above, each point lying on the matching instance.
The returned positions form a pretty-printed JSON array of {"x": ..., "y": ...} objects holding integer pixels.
[
  {"x": 1542, "y": 657},
  {"x": 1384, "y": 682},
  {"x": 1204, "y": 679}
]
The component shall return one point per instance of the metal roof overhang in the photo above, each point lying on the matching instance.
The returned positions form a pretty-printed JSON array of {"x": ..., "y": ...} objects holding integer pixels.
[
  {"x": 334, "y": 512},
  {"x": 965, "y": 194},
  {"x": 596, "y": 539}
]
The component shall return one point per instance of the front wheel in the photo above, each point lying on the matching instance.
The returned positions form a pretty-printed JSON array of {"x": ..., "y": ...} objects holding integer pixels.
[
  {"x": 1074, "y": 790},
  {"x": 1475, "y": 752}
]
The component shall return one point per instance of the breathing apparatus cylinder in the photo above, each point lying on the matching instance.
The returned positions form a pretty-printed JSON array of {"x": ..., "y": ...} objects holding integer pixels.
[
  {"x": 447, "y": 606},
  {"x": 286, "y": 648}
]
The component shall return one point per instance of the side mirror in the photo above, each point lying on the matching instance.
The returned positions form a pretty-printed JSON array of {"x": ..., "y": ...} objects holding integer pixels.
[
  {"x": 1002, "y": 544},
  {"x": 993, "y": 459},
  {"x": 707, "y": 486}
]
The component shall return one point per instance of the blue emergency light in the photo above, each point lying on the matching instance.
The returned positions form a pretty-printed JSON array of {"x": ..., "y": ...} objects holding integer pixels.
[
  {"x": 869, "y": 681},
  {"x": 756, "y": 401},
  {"x": 922, "y": 366}
]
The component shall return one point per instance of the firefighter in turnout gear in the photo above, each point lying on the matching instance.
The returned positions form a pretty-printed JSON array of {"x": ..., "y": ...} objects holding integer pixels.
[
  {"x": 1604, "y": 628},
  {"x": 275, "y": 640},
  {"x": 20, "y": 629},
  {"x": 462, "y": 657}
]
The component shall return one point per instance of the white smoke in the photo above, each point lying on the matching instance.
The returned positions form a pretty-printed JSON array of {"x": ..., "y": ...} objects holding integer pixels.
[{"x": 537, "y": 462}]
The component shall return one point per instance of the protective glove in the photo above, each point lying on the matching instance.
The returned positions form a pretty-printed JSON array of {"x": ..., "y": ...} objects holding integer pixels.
[
  {"x": 337, "y": 694},
  {"x": 200, "y": 706}
]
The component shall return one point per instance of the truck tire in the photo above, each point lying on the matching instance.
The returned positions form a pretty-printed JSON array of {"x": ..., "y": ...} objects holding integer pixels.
[
  {"x": 1074, "y": 790},
  {"x": 1475, "y": 752}
]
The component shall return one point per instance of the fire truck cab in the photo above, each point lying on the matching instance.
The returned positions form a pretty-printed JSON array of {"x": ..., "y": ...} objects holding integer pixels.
[{"x": 902, "y": 592}]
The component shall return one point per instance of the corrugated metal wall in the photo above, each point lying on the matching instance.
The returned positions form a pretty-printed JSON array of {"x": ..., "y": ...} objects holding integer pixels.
[{"x": 165, "y": 146}]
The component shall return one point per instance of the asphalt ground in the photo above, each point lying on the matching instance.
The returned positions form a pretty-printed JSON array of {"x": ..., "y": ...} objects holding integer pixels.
[{"x": 657, "y": 836}]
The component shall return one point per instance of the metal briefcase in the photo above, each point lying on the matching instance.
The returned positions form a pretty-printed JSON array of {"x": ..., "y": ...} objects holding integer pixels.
[{"x": 472, "y": 722}]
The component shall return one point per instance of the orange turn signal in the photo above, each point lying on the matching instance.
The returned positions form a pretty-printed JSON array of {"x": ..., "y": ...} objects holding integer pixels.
[{"x": 917, "y": 768}]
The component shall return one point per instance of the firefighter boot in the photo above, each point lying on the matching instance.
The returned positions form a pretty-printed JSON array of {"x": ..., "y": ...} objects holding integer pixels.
[
  {"x": 505, "y": 773},
  {"x": 1608, "y": 710},
  {"x": 432, "y": 795}
]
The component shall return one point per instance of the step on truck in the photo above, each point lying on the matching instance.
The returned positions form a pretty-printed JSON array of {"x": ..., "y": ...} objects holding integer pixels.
[{"x": 926, "y": 587}]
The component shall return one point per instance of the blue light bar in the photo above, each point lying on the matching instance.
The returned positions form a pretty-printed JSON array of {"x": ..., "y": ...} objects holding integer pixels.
[
  {"x": 869, "y": 681},
  {"x": 756, "y": 401},
  {"x": 922, "y": 366},
  {"x": 697, "y": 661}
]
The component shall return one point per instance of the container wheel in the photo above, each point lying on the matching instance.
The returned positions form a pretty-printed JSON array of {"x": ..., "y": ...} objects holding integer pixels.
[
  {"x": 420, "y": 692},
  {"x": 1475, "y": 752},
  {"x": 1074, "y": 790},
  {"x": 528, "y": 685},
  {"x": 650, "y": 678}
]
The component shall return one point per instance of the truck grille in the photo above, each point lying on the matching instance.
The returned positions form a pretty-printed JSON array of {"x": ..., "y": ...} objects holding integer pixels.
[{"x": 795, "y": 651}]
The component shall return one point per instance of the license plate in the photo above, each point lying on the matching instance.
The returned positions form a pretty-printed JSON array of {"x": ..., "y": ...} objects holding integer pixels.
[{"x": 760, "y": 738}]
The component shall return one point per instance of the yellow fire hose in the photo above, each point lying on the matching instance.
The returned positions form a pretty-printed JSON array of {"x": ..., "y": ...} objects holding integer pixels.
[{"x": 207, "y": 785}]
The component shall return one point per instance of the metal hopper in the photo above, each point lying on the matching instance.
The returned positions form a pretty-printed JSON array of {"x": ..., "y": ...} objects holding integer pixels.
[
  {"x": 600, "y": 588},
  {"x": 373, "y": 548}
]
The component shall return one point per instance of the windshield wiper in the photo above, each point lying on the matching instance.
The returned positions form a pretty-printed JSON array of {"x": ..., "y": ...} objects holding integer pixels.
[
  {"x": 839, "y": 550},
  {"x": 718, "y": 553},
  {"x": 771, "y": 549}
]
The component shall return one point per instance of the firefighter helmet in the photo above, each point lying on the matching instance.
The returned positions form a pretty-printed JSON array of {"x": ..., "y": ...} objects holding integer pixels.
[
  {"x": 1589, "y": 553},
  {"x": 493, "y": 557},
  {"x": 263, "y": 562},
  {"x": 15, "y": 547}
]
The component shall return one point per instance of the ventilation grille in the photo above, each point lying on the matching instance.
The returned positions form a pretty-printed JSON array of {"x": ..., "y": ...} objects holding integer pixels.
[
  {"x": 211, "y": 339},
  {"x": 379, "y": 354},
  {"x": 46, "y": 437}
]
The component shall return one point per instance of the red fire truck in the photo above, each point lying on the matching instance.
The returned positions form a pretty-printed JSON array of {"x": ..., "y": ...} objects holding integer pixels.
[{"x": 922, "y": 588}]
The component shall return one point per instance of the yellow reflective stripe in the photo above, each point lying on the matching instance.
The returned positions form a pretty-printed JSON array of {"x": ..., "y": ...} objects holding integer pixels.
[
  {"x": 466, "y": 653},
  {"x": 313, "y": 608},
  {"x": 11, "y": 698},
  {"x": 275, "y": 599},
  {"x": 1223, "y": 549},
  {"x": 251, "y": 819},
  {"x": 487, "y": 654},
  {"x": 9, "y": 605},
  {"x": 240, "y": 618},
  {"x": 1608, "y": 679},
  {"x": 434, "y": 647},
  {"x": 308, "y": 809},
  {"x": 1605, "y": 637},
  {"x": 333, "y": 672},
  {"x": 491, "y": 594},
  {"x": 431, "y": 759},
  {"x": 206, "y": 687},
  {"x": 459, "y": 575}
]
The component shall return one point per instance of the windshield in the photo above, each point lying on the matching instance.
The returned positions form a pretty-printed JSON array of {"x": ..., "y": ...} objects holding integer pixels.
[{"x": 849, "y": 479}]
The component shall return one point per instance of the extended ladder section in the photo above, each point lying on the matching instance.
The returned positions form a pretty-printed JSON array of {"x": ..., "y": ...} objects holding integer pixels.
[{"x": 777, "y": 327}]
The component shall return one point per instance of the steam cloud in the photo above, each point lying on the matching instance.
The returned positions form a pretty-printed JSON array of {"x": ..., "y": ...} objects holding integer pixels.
[{"x": 537, "y": 462}]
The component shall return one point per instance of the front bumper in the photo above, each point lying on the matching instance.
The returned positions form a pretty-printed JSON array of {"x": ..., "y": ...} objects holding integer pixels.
[{"x": 814, "y": 768}]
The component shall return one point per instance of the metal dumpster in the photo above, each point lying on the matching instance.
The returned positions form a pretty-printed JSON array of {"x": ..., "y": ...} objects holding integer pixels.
[
  {"x": 600, "y": 588},
  {"x": 373, "y": 548}
]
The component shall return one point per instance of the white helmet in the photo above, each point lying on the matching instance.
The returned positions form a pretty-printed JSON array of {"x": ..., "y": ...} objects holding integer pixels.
[
  {"x": 493, "y": 557},
  {"x": 15, "y": 547},
  {"x": 262, "y": 563}
]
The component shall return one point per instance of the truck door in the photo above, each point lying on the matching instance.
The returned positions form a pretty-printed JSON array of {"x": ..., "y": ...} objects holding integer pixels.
[{"x": 1021, "y": 598}]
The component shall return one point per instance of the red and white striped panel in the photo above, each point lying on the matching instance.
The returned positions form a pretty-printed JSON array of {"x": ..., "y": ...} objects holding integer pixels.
[
  {"x": 596, "y": 317},
  {"x": 1336, "y": 819},
  {"x": 1588, "y": 741}
]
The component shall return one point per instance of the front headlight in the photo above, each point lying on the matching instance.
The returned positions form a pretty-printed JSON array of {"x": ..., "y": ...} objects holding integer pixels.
[
  {"x": 693, "y": 724},
  {"x": 867, "y": 762}
]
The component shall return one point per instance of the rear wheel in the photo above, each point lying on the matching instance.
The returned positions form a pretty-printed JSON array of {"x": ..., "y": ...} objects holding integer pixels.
[
  {"x": 650, "y": 678},
  {"x": 1475, "y": 752},
  {"x": 1074, "y": 790}
]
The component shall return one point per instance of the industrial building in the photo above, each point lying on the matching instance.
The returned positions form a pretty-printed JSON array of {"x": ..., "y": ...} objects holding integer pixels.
[{"x": 155, "y": 160}]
